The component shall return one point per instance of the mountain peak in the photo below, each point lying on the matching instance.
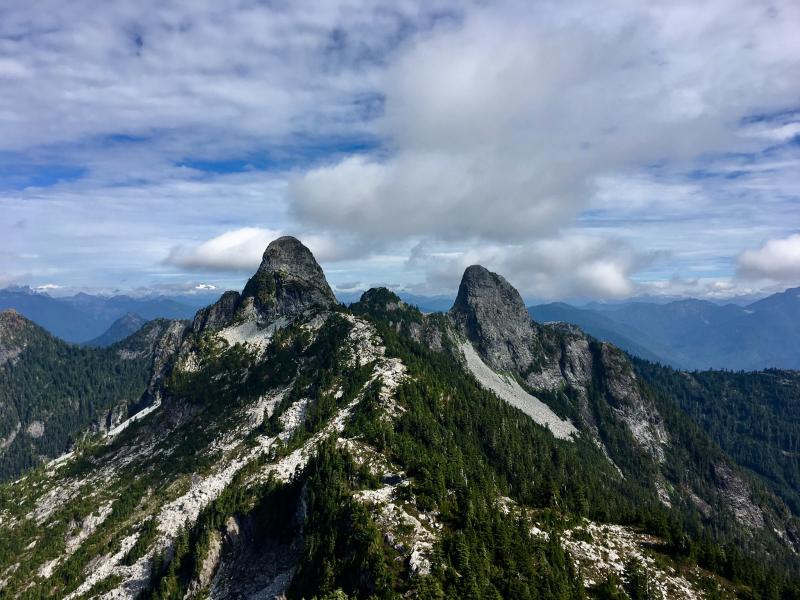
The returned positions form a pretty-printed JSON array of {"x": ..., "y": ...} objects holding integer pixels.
[
  {"x": 15, "y": 331},
  {"x": 11, "y": 320},
  {"x": 126, "y": 325},
  {"x": 481, "y": 289},
  {"x": 289, "y": 281},
  {"x": 289, "y": 254},
  {"x": 492, "y": 315}
]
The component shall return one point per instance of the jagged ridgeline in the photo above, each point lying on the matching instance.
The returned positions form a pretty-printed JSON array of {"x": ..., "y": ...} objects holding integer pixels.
[{"x": 288, "y": 446}]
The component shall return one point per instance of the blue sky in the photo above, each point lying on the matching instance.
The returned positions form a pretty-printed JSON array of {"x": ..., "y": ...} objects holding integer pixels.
[{"x": 156, "y": 146}]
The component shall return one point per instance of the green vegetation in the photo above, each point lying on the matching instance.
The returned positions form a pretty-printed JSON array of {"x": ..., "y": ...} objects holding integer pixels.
[
  {"x": 480, "y": 466},
  {"x": 754, "y": 417},
  {"x": 457, "y": 436},
  {"x": 262, "y": 287},
  {"x": 58, "y": 390}
]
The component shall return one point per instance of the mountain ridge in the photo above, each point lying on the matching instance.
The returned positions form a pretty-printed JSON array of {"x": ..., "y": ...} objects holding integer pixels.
[
  {"x": 88, "y": 390},
  {"x": 84, "y": 317},
  {"x": 696, "y": 334},
  {"x": 126, "y": 325},
  {"x": 289, "y": 445}
]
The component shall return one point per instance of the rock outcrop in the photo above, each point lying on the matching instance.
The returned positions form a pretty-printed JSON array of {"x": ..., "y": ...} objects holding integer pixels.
[
  {"x": 490, "y": 312},
  {"x": 217, "y": 315},
  {"x": 288, "y": 283}
]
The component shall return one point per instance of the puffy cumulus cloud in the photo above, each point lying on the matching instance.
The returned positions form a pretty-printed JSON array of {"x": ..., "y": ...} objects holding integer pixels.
[
  {"x": 776, "y": 260},
  {"x": 499, "y": 126},
  {"x": 447, "y": 196},
  {"x": 570, "y": 266},
  {"x": 241, "y": 250},
  {"x": 237, "y": 250}
]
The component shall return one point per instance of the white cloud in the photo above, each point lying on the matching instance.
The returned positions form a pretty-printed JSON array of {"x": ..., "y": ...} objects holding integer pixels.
[
  {"x": 237, "y": 250},
  {"x": 488, "y": 128},
  {"x": 228, "y": 75},
  {"x": 777, "y": 260},
  {"x": 500, "y": 127},
  {"x": 242, "y": 249},
  {"x": 780, "y": 132},
  {"x": 568, "y": 266}
]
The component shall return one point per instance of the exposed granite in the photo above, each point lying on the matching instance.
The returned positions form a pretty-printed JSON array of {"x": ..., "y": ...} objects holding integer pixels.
[
  {"x": 218, "y": 314},
  {"x": 490, "y": 313},
  {"x": 289, "y": 282}
]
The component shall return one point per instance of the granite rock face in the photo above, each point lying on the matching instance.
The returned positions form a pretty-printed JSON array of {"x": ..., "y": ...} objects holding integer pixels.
[
  {"x": 158, "y": 341},
  {"x": 490, "y": 312},
  {"x": 218, "y": 314},
  {"x": 638, "y": 412},
  {"x": 288, "y": 283}
]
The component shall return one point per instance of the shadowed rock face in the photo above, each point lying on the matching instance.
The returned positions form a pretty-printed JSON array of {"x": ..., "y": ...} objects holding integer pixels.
[
  {"x": 218, "y": 314},
  {"x": 492, "y": 315},
  {"x": 289, "y": 281}
]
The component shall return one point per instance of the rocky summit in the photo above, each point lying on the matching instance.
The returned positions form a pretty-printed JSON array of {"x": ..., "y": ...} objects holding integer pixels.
[
  {"x": 289, "y": 281},
  {"x": 285, "y": 446},
  {"x": 491, "y": 313}
]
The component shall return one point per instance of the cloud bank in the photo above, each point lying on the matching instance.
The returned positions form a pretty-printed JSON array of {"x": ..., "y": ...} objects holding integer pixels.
[
  {"x": 566, "y": 267},
  {"x": 237, "y": 250},
  {"x": 580, "y": 152},
  {"x": 501, "y": 127},
  {"x": 778, "y": 260}
]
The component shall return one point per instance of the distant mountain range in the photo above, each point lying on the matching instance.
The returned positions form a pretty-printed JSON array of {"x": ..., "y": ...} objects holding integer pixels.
[
  {"x": 686, "y": 334},
  {"x": 694, "y": 334},
  {"x": 84, "y": 318}
]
